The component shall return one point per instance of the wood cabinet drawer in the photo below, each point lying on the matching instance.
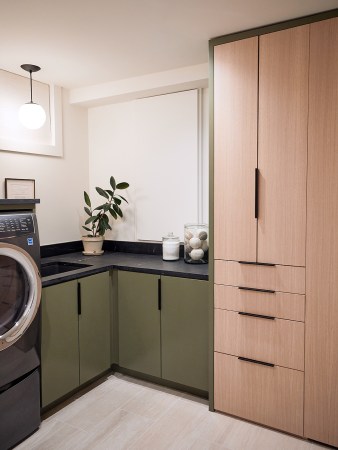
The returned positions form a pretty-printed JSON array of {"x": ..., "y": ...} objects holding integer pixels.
[
  {"x": 278, "y": 304},
  {"x": 274, "y": 341},
  {"x": 272, "y": 396},
  {"x": 277, "y": 278}
]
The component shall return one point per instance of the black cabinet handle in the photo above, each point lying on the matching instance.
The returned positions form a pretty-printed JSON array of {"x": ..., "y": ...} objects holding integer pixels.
[
  {"x": 267, "y": 291},
  {"x": 256, "y": 191},
  {"x": 79, "y": 298},
  {"x": 256, "y": 315},
  {"x": 255, "y": 361},
  {"x": 257, "y": 263},
  {"x": 159, "y": 294}
]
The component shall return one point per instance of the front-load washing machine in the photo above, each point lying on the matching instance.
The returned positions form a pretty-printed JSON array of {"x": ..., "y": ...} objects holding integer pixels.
[{"x": 20, "y": 294}]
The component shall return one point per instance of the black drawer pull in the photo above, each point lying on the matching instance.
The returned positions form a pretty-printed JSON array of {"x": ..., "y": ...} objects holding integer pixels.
[
  {"x": 257, "y": 263},
  {"x": 267, "y": 291},
  {"x": 159, "y": 294},
  {"x": 256, "y": 315},
  {"x": 256, "y": 191},
  {"x": 255, "y": 361},
  {"x": 79, "y": 306}
]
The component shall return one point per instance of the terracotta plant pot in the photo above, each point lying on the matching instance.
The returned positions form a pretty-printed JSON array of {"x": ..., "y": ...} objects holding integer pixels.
[{"x": 92, "y": 245}]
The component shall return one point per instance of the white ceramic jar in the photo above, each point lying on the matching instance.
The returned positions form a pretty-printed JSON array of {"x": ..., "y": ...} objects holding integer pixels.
[
  {"x": 170, "y": 247},
  {"x": 196, "y": 243}
]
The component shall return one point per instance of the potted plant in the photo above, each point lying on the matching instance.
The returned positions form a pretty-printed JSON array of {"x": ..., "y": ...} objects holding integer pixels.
[{"x": 98, "y": 221}]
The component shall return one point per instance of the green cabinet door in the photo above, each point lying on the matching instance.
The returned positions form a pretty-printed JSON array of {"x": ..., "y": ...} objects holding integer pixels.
[
  {"x": 184, "y": 331},
  {"x": 139, "y": 322},
  {"x": 94, "y": 326},
  {"x": 59, "y": 341}
]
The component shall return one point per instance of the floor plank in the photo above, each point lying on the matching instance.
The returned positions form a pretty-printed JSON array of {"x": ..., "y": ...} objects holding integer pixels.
[{"x": 125, "y": 413}]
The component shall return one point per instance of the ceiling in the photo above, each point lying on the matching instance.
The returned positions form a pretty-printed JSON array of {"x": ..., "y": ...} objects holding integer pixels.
[{"x": 84, "y": 42}]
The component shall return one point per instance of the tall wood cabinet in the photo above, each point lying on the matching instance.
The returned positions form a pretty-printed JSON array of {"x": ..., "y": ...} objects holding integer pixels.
[
  {"x": 276, "y": 229},
  {"x": 321, "y": 363},
  {"x": 260, "y": 169}
]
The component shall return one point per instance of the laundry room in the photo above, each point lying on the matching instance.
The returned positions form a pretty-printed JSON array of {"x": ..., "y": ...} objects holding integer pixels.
[{"x": 167, "y": 225}]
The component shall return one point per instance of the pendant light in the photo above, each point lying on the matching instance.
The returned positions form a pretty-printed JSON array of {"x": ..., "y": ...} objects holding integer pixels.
[{"x": 31, "y": 114}]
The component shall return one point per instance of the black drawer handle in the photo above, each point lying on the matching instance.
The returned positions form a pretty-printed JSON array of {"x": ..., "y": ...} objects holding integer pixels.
[
  {"x": 262, "y": 363},
  {"x": 79, "y": 306},
  {"x": 159, "y": 294},
  {"x": 256, "y": 315},
  {"x": 256, "y": 192},
  {"x": 267, "y": 291},
  {"x": 257, "y": 263}
]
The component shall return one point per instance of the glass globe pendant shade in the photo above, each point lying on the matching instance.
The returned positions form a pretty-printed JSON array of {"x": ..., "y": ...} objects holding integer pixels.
[{"x": 32, "y": 115}]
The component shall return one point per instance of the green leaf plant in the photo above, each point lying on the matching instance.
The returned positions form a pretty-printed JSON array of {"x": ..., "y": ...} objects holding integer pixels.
[{"x": 98, "y": 221}]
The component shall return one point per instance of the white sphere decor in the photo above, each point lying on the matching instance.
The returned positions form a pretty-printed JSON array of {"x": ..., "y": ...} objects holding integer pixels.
[
  {"x": 196, "y": 254},
  {"x": 32, "y": 115},
  {"x": 205, "y": 246},
  {"x": 195, "y": 242},
  {"x": 188, "y": 235},
  {"x": 203, "y": 235}
]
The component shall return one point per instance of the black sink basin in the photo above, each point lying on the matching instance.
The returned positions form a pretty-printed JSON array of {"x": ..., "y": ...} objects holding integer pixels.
[{"x": 54, "y": 268}]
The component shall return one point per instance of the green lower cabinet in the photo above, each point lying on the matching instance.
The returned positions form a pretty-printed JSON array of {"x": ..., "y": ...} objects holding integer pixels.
[
  {"x": 139, "y": 323},
  {"x": 171, "y": 342},
  {"x": 184, "y": 331},
  {"x": 94, "y": 326},
  {"x": 59, "y": 341},
  {"x": 74, "y": 347}
]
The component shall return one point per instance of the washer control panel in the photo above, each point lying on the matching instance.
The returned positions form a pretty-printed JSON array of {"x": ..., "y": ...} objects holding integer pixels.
[{"x": 15, "y": 224}]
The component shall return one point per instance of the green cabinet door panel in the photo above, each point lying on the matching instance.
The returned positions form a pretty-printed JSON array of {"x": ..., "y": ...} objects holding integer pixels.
[
  {"x": 59, "y": 341},
  {"x": 139, "y": 322},
  {"x": 94, "y": 326},
  {"x": 184, "y": 331}
]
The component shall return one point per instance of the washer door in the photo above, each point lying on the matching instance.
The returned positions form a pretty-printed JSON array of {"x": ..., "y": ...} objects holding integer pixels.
[{"x": 20, "y": 293}]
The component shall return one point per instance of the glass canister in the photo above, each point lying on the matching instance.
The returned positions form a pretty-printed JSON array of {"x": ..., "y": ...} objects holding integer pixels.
[
  {"x": 196, "y": 243},
  {"x": 170, "y": 247}
]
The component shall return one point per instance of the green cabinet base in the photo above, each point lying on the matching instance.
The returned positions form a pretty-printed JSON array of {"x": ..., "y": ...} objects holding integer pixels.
[
  {"x": 163, "y": 327},
  {"x": 75, "y": 342}
]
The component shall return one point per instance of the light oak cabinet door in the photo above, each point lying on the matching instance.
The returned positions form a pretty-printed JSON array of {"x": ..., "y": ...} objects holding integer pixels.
[
  {"x": 272, "y": 396},
  {"x": 321, "y": 359},
  {"x": 235, "y": 137},
  {"x": 261, "y": 85},
  {"x": 282, "y": 146},
  {"x": 262, "y": 338}
]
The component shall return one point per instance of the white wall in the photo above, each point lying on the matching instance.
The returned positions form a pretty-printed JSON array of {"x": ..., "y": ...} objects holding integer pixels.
[
  {"x": 60, "y": 181},
  {"x": 112, "y": 152}
]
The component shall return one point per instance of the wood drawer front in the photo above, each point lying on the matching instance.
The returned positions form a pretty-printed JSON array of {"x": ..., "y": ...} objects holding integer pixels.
[
  {"x": 277, "y": 341},
  {"x": 280, "y": 304},
  {"x": 272, "y": 396},
  {"x": 277, "y": 278}
]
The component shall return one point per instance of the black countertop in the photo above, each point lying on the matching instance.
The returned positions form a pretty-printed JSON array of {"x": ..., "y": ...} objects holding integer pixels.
[{"x": 124, "y": 261}]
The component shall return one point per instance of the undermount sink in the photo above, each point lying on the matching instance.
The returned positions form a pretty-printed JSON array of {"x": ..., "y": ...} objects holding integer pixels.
[{"x": 54, "y": 268}]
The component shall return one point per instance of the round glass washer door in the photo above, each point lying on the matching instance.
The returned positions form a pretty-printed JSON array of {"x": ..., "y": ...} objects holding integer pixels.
[{"x": 20, "y": 293}]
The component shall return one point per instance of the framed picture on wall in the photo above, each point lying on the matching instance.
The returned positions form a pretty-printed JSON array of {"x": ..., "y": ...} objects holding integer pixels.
[{"x": 19, "y": 188}]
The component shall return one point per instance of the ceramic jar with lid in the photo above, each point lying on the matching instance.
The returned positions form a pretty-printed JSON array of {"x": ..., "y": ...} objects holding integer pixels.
[
  {"x": 170, "y": 247},
  {"x": 196, "y": 243}
]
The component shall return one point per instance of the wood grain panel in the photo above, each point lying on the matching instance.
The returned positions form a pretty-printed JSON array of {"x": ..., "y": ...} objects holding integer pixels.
[
  {"x": 235, "y": 139},
  {"x": 282, "y": 145},
  {"x": 280, "y": 304},
  {"x": 277, "y": 278},
  {"x": 321, "y": 368},
  {"x": 277, "y": 341},
  {"x": 271, "y": 396}
]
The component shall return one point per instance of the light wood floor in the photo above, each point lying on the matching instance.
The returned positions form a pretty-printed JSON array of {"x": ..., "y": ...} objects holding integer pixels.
[{"x": 125, "y": 413}]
